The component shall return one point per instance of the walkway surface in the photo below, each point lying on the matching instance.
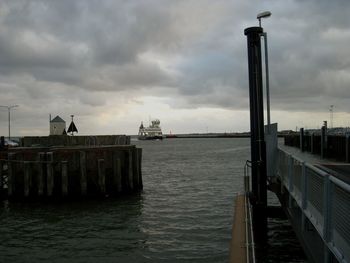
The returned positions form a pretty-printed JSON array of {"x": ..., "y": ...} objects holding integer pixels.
[
  {"x": 340, "y": 170},
  {"x": 238, "y": 242}
]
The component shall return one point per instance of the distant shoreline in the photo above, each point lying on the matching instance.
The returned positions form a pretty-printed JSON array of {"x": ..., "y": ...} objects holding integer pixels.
[
  {"x": 210, "y": 135},
  {"x": 207, "y": 135}
]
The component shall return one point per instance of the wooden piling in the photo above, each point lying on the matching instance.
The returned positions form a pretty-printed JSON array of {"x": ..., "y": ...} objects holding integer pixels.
[
  {"x": 136, "y": 177},
  {"x": 41, "y": 173},
  {"x": 117, "y": 173},
  {"x": 101, "y": 175},
  {"x": 130, "y": 171},
  {"x": 139, "y": 154},
  {"x": 83, "y": 177},
  {"x": 11, "y": 176},
  {"x": 64, "y": 177},
  {"x": 50, "y": 174},
  {"x": 63, "y": 173},
  {"x": 27, "y": 178}
]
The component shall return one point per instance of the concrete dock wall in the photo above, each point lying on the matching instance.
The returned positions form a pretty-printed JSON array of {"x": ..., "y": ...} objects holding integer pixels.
[
  {"x": 35, "y": 173},
  {"x": 65, "y": 140}
]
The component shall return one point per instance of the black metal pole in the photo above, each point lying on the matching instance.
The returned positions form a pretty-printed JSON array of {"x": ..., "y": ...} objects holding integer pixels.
[
  {"x": 258, "y": 147},
  {"x": 323, "y": 141},
  {"x": 302, "y": 138}
]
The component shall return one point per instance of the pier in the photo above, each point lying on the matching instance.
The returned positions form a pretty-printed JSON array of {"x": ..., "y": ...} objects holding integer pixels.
[
  {"x": 66, "y": 172},
  {"x": 317, "y": 201},
  {"x": 313, "y": 192},
  {"x": 310, "y": 180}
]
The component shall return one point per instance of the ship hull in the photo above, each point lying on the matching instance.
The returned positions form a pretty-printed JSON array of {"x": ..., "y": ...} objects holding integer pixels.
[{"x": 150, "y": 137}]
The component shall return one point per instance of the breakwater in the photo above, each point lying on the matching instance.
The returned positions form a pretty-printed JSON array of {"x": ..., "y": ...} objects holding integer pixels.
[{"x": 70, "y": 172}]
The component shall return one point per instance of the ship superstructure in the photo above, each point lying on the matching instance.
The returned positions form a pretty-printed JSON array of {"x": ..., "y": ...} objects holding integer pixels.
[{"x": 152, "y": 132}]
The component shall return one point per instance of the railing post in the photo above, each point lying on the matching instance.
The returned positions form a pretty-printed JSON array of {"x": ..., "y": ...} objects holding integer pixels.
[
  {"x": 290, "y": 173},
  {"x": 282, "y": 167},
  {"x": 312, "y": 137},
  {"x": 347, "y": 150},
  {"x": 303, "y": 195},
  {"x": 327, "y": 195},
  {"x": 290, "y": 179},
  {"x": 1, "y": 179},
  {"x": 323, "y": 142}
]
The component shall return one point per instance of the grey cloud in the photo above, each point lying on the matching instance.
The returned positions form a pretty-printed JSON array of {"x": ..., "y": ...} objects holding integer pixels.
[{"x": 76, "y": 52}]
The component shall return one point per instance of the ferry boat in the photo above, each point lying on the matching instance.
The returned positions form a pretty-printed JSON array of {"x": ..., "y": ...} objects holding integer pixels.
[{"x": 152, "y": 132}]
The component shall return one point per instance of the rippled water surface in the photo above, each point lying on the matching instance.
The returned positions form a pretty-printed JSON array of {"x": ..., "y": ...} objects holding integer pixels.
[{"x": 184, "y": 213}]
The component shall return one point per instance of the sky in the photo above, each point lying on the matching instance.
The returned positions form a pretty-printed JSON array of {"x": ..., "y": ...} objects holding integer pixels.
[{"x": 113, "y": 64}]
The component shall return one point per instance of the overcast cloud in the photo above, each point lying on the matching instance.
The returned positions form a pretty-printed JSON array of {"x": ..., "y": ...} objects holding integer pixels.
[{"x": 115, "y": 63}]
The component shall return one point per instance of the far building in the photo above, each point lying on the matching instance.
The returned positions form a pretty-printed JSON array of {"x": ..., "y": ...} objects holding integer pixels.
[{"x": 57, "y": 126}]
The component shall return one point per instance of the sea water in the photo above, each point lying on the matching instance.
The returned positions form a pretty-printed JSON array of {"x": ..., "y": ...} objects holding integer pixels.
[{"x": 184, "y": 213}]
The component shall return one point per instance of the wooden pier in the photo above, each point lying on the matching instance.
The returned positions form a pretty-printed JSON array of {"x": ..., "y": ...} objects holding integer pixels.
[
  {"x": 238, "y": 245},
  {"x": 70, "y": 172}
]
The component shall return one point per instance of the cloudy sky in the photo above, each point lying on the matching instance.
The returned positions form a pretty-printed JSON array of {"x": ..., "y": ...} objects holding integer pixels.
[{"x": 115, "y": 63}]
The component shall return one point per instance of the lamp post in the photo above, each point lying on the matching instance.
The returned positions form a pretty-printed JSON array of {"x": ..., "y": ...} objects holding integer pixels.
[
  {"x": 9, "y": 117},
  {"x": 331, "y": 115},
  {"x": 264, "y": 34}
]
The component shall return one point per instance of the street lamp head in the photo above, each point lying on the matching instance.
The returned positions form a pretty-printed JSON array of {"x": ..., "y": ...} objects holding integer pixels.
[
  {"x": 263, "y": 14},
  {"x": 9, "y": 107}
]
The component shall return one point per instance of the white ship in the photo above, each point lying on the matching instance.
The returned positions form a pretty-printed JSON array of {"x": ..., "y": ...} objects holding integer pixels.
[{"x": 152, "y": 132}]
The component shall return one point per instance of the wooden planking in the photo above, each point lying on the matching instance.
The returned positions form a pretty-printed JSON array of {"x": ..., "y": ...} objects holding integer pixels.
[{"x": 238, "y": 242}]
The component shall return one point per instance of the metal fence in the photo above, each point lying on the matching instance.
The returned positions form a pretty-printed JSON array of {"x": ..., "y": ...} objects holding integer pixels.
[{"x": 323, "y": 199}]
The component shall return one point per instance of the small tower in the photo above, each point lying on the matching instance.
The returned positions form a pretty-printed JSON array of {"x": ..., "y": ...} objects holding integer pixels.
[{"x": 57, "y": 126}]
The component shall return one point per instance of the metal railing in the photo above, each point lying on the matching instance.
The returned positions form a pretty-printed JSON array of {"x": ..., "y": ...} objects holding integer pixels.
[
  {"x": 323, "y": 199},
  {"x": 250, "y": 245}
]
